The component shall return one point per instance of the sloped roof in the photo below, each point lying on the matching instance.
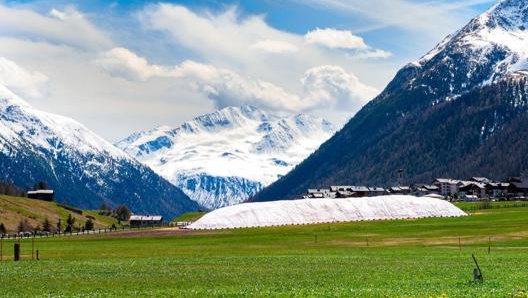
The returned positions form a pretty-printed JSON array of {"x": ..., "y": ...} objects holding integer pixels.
[
  {"x": 146, "y": 217},
  {"x": 308, "y": 211}
]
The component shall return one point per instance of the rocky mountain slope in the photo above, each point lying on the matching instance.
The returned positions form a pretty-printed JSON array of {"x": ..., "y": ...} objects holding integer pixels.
[
  {"x": 459, "y": 111},
  {"x": 82, "y": 168},
  {"x": 224, "y": 157}
]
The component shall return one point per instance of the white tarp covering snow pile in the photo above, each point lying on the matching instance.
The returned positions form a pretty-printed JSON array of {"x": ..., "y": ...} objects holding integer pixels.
[{"x": 311, "y": 211}]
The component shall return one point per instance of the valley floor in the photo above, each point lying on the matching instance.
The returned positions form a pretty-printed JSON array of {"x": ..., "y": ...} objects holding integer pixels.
[{"x": 404, "y": 258}]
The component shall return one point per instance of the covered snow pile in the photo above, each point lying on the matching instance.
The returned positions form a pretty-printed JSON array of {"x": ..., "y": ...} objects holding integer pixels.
[{"x": 310, "y": 211}]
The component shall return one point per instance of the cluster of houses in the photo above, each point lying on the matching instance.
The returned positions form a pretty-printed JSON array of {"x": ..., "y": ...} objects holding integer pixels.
[{"x": 474, "y": 189}]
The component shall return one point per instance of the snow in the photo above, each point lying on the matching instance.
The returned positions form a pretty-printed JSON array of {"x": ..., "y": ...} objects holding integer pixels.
[
  {"x": 504, "y": 26},
  {"x": 312, "y": 211},
  {"x": 231, "y": 143},
  {"x": 235, "y": 142},
  {"x": 48, "y": 131}
]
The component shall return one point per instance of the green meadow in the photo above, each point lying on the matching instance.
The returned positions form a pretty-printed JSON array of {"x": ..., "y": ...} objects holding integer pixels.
[{"x": 405, "y": 258}]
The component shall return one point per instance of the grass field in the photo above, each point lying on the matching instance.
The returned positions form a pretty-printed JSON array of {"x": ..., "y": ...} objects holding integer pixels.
[{"x": 406, "y": 258}]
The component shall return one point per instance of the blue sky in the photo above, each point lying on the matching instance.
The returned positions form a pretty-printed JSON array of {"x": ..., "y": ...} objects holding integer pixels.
[{"x": 123, "y": 66}]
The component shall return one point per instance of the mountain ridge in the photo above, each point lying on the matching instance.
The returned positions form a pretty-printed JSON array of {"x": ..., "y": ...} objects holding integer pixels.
[
  {"x": 82, "y": 168},
  {"x": 223, "y": 157}
]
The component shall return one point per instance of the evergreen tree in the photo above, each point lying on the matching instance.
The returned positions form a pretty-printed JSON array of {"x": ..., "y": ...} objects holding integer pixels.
[
  {"x": 41, "y": 185},
  {"x": 89, "y": 225},
  {"x": 69, "y": 221},
  {"x": 46, "y": 225}
]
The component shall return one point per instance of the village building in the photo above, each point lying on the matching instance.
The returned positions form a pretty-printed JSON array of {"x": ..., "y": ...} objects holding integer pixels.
[
  {"x": 497, "y": 190},
  {"x": 518, "y": 187},
  {"x": 447, "y": 187},
  {"x": 319, "y": 193},
  {"x": 471, "y": 191},
  {"x": 377, "y": 191},
  {"x": 421, "y": 190},
  {"x": 400, "y": 190}
]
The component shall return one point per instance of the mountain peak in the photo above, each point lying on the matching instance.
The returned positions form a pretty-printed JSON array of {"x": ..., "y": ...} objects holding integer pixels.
[{"x": 231, "y": 117}]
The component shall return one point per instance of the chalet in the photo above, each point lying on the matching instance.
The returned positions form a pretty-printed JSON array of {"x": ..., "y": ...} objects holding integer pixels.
[
  {"x": 472, "y": 189},
  {"x": 497, "y": 189},
  {"x": 145, "y": 220},
  {"x": 421, "y": 190},
  {"x": 319, "y": 193},
  {"x": 377, "y": 191},
  {"x": 482, "y": 180},
  {"x": 41, "y": 194},
  {"x": 350, "y": 191},
  {"x": 518, "y": 187},
  {"x": 400, "y": 190}
]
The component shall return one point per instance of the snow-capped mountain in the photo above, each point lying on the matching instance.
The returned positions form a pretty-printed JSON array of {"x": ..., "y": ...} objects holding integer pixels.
[
  {"x": 489, "y": 47},
  {"x": 461, "y": 110},
  {"x": 82, "y": 168},
  {"x": 224, "y": 157}
]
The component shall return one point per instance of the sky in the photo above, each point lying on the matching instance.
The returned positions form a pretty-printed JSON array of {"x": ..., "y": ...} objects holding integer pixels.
[{"x": 125, "y": 66}]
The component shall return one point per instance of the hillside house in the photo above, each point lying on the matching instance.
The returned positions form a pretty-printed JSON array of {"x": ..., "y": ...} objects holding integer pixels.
[{"x": 42, "y": 194}]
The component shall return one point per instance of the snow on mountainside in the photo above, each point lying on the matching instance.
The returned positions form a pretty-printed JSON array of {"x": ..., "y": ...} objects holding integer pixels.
[
  {"x": 224, "y": 157},
  {"x": 82, "y": 168},
  {"x": 490, "y": 46}
]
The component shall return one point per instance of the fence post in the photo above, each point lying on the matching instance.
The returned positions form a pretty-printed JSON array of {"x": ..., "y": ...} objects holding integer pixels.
[{"x": 17, "y": 251}]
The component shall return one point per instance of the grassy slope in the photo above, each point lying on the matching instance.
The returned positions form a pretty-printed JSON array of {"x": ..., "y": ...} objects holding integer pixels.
[
  {"x": 14, "y": 209},
  {"x": 190, "y": 216},
  {"x": 408, "y": 258}
]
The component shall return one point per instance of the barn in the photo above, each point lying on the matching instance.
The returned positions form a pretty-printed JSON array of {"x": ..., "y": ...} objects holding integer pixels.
[
  {"x": 145, "y": 220},
  {"x": 42, "y": 194}
]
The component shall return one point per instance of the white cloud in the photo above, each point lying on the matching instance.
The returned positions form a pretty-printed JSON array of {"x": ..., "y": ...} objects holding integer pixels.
[
  {"x": 335, "y": 39},
  {"x": 68, "y": 27},
  {"x": 274, "y": 46},
  {"x": 225, "y": 37},
  {"x": 333, "y": 87},
  {"x": 217, "y": 59},
  {"x": 121, "y": 62},
  {"x": 324, "y": 87},
  {"x": 26, "y": 83},
  {"x": 371, "y": 54}
]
